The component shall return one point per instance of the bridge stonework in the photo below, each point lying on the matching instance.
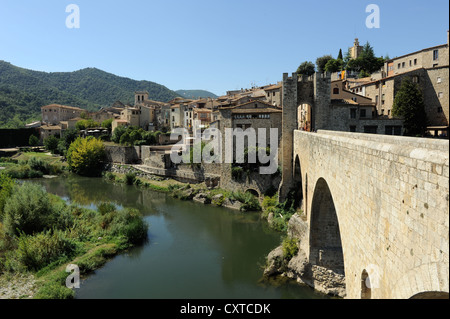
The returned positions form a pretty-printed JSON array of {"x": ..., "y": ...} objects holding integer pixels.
[{"x": 389, "y": 199}]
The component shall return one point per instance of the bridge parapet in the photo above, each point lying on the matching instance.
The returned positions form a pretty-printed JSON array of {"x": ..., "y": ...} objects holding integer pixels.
[{"x": 391, "y": 198}]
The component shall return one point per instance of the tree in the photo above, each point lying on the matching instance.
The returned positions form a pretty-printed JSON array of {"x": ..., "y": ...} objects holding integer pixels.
[
  {"x": 321, "y": 62},
  {"x": 33, "y": 140},
  {"x": 366, "y": 61},
  {"x": 86, "y": 156},
  {"x": 68, "y": 137},
  {"x": 334, "y": 65},
  {"x": 51, "y": 144},
  {"x": 107, "y": 123},
  {"x": 409, "y": 104},
  {"x": 340, "y": 56},
  {"x": 306, "y": 68}
]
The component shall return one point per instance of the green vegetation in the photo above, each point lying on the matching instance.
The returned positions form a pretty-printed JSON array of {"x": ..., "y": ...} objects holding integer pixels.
[
  {"x": 40, "y": 234},
  {"x": 23, "y": 92},
  {"x": 31, "y": 166},
  {"x": 306, "y": 68},
  {"x": 33, "y": 140},
  {"x": 249, "y": 201},
  {"x": 281, "y": 212},
  {"x": 409, "y": 104},
  {"x": 195, "y": 94},
  {"x": 134, "y": 136},
  {"x": 86, "y": 156},
  {"x": 85, "y": 124},
  {"x": 51, "y": 144},
  {"x": 290, "y": 248},
  {"x": 322, "y": 61},
  {"x": 366, "y": 63}
]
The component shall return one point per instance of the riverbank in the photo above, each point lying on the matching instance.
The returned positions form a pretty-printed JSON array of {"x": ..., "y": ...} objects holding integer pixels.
[{"x": 40, "y": 234}]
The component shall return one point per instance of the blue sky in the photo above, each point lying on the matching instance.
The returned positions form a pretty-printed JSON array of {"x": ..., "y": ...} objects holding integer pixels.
[{"x": 215, "y": 45}]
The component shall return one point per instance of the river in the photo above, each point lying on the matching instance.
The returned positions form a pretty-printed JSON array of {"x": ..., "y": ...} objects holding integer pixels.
[{"x": 194, "y": 251}]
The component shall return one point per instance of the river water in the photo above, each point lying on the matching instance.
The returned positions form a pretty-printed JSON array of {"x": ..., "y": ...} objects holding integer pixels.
[{"x": 194, "y": 251}]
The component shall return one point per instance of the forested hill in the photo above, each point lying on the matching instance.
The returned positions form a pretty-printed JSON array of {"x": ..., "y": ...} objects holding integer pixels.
[
  {"x": 23, "y": 92},
  {"x": 194, "y": 94}
]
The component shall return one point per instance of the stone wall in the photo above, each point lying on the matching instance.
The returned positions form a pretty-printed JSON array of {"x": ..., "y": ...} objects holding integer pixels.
[
  {"x": 123, "y": 154},
  {"x": 391, "y": 198}
]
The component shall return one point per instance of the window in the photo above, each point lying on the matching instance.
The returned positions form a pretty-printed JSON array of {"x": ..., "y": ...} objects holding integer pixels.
[
  {"x": 415, "y": 61},
  {"x": 382, "y": 112},
  {"x": 393, "y": 130},
  {"x": 370, "y": 129},
  {"x": 398, "y": 66},
  {"x": 377, "y": 85},
  {"x": 336, "y": 91},
  {"x": 363, "y": 113},
  {"x": 410, "y": 63},
  {"x": 382, "y": 99},
  {"x": 435, "y": 55},
  {"x": 376, "y": 99},
  {"x": 353, "y": 113},
  {"x": 273, "y": 93},
  {"x": 354, "y": 99},
  {"x": 403, "y": 64},
  {"x": 415, "y": 79}
]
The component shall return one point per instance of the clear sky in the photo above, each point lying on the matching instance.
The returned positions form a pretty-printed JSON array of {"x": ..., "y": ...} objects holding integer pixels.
[{"x": 216, "y": 45}]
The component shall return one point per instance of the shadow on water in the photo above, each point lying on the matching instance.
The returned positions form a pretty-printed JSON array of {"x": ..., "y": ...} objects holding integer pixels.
[{"x": 193, "y": 251}]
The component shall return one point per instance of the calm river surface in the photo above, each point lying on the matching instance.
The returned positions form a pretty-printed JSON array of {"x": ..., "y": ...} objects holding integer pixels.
[{"x": 194, "y": 250}]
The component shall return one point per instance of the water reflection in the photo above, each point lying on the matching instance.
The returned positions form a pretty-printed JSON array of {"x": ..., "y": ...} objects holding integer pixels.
[{"x": 194, "y": 250}]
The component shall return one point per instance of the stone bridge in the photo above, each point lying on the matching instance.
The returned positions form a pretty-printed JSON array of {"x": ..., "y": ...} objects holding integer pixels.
[{"x": 376, "y": 210}]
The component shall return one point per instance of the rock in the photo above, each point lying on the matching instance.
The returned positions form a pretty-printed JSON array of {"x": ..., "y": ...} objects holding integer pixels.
[
  {"x": 299, "y": 264},
  {"x": 218, "y": 200},
  {"x": 233, "y": 204},
  {"x": 270, "y": 219},
  {"x": 297, "y": 228},
  {"x": 274, "y": 262},
  {"x": 202, "y": 198}
]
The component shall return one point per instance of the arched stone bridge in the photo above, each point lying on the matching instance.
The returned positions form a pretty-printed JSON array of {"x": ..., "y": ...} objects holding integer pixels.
[{"x": 376, "y": 210}]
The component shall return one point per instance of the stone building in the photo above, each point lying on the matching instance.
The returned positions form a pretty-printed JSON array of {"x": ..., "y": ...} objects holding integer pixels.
[
  {"x": 54, "y": 113},
  {"x": 273, "y": 95},
  {"x": 355, "y": 50}
]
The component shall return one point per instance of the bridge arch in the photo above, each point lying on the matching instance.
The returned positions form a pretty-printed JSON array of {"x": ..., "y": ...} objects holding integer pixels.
[
  {"x": 325, "y": 237},
  {"x": 431, "y": 295},
  {"x": 253, "y": 191}
]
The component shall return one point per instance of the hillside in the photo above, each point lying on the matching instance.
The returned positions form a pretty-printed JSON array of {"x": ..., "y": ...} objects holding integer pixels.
[
  {"x": 194, "y": 94},
  {"x": 23, "y": 92}
]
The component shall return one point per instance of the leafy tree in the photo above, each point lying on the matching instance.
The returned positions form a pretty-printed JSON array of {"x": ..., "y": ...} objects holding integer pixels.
[
  {"x": 321, "y": 62},
  {"x": 117, "y": 134},
  {"x": 51, "y": 144},
  {"x": 86, "y": 156},
  {"x": 409, "y": 104},
  {"x": 68, "y": 137},
  {"x": 306, "y": 68},
  {"x": 366, "y": 61},
  {"x": 33, "y": 140},
  {"x": 85, "y": 124},
  {"x": 334, "y": 65},
  {"x": 107, "y": 123}
]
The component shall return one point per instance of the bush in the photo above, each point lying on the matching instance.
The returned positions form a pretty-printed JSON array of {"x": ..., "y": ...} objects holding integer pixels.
[
  {"x": 37, "y": 251},
  {"x": 290, "y": 248},
  {"x": 6, "y": 188},
  {"x": 130, "y": 178},
  {"x": 38, "y": 164},
  {"x": 237, "y": 172},
  {"x": 28, "y": 210},
  {"x": 130, "y": 224},
  {"x": 86, "y": 156},
  {"x": 248, "y": 200},
  {"x": 109, "y": 176}
]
